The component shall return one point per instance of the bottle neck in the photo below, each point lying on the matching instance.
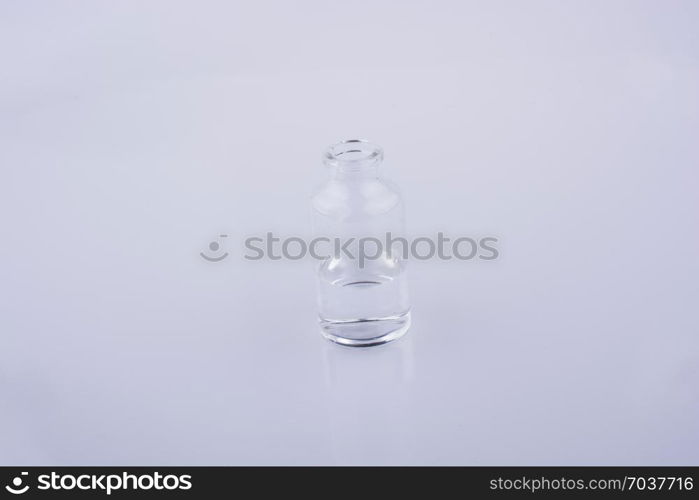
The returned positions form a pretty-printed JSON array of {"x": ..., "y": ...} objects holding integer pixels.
[
  {"x": 360, "y": 174},
  {"x": 354, "y": 160}
]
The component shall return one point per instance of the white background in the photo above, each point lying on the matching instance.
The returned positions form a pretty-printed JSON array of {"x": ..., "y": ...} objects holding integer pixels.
[{"x": 133, "y": 133}]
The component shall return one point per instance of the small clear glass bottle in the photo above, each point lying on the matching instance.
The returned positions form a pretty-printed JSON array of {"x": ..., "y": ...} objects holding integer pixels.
[{"x": 362, "y": 290}]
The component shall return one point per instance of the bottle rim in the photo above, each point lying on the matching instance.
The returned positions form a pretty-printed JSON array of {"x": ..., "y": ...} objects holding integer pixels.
[{"x": 353, "y": 153}]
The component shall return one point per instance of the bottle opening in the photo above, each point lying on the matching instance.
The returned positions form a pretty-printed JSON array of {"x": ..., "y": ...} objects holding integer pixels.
[{"x": 353, "y": 153}]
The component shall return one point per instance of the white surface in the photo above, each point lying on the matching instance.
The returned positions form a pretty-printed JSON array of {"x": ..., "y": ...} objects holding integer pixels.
[{"x": 131, "y": 135}]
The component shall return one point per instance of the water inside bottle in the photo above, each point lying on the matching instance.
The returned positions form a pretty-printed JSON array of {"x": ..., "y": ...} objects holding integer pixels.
[{"x": 363, "y": 306}]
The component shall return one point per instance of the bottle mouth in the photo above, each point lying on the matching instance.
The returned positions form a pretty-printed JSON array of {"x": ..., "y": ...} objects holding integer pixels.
[{"x": 353, "y": 153}]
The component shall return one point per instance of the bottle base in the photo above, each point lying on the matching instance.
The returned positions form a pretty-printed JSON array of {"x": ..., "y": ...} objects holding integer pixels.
[{"x": 365, "y": 332}]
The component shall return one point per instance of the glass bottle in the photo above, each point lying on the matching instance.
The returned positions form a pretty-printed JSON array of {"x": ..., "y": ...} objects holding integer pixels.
[{"x": 362, "y": 288}]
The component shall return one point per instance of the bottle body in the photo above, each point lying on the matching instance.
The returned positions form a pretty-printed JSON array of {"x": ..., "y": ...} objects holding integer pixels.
[{"x": 362, "y": 286}]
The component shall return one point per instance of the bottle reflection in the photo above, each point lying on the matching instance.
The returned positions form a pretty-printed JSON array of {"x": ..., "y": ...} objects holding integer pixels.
[{"x": 368, "y": 402}]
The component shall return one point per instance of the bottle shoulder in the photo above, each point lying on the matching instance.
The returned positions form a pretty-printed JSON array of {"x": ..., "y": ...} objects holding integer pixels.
[{"x": 370, "y": 197}]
